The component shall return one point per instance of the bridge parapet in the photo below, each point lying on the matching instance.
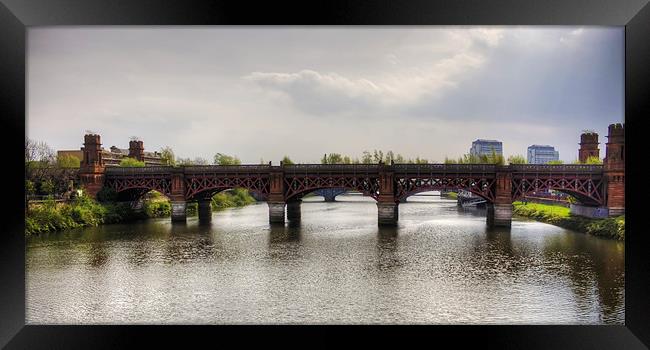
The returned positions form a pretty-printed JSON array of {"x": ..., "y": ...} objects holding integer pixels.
[
  {"x": 139, "y": 170},
  {"x": 560, "y": 168},
  {"x": 245, "y": 168},
  {"x": 444, "y": 168},
  {"x": 331, "y": 168}
]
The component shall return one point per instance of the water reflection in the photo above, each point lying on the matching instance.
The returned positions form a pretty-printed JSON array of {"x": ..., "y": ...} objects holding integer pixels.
[{"x": 440, "y": 264}]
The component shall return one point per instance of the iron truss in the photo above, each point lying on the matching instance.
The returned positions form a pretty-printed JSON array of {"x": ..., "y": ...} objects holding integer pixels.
[
  {"x": 160, "y": 183},
  {"x": 206, "y": 185},
  {"x": 480, "y": 185},
  {"x": 298, "y": 185},
  {"x": 587, "y": 189}
]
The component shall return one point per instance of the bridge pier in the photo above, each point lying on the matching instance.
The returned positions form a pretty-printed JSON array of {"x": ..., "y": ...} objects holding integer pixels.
[
  {"x": 276, "y": 212},
  {"x": 387, "y": 213},
  {"x": 499, "y": 214},
  {"x": 293, "y": 210},
  {"x": 179, "y": 211},
  {"x": 205, "y": 210}
]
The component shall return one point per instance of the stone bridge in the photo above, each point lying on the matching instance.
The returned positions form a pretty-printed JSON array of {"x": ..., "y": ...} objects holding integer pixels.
[{"x": 284, "y": 186}]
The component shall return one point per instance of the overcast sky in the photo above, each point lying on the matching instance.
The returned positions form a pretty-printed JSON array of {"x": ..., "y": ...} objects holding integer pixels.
[{"x": 266, "y": 92}]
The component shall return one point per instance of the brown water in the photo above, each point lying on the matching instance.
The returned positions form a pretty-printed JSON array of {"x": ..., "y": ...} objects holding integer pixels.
[{"x": 440, "y": 265}]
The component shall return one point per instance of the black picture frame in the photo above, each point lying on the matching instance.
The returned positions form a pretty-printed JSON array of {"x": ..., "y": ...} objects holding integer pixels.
[{"x": 17, "y": 15}]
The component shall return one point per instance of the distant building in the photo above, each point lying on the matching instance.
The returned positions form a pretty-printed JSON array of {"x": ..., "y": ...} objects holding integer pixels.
[
  {"x": 542, "y": 154},
  {"x": 114, "y": 155},
  {"x": 485, "y": 147}
]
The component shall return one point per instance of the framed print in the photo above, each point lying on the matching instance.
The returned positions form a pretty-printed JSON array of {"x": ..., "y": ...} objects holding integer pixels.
[{"x": 449, "y": 170}]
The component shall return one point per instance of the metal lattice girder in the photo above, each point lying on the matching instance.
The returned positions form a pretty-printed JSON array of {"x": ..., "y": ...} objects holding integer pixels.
[
  {"x": 585, "y": 182},
  {"x": 213, "y": 183},
  {"x": 297, "y": 184}
]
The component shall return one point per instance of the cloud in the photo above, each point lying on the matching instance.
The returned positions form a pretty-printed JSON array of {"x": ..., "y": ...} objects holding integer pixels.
[{"x": 319, "y": 93}]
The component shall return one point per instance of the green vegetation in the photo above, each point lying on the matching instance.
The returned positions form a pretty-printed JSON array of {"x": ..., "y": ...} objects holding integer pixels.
[
  {"x": 131, "y": 162},
  {"x": 287, "y": 161},
  {"x": 555, "y": 162},
  {"x": 589, "y": 160},
  {"x": 367, "y": 157},
  {"x": 167, "y": 156},
  {"x": 517, "y": 159},
  {"x": 237, "y": 197},
  {"x": 224, "y": 159},
  {"x": 560, "y": 216},
  {"x": 68, "y": 161},
  {"x": 82, "y": 211},
  {"x": 451, "y": 195},
  {"x": 492, "y": 158}
]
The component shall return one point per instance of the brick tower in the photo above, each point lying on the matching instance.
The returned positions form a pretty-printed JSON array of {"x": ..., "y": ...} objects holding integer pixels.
[
  {"x": 136, "y": 150},
  {"x": 614, "y": 169},
  {"x": 588, "y": 146},
  {"x": 91, "y": 173}
]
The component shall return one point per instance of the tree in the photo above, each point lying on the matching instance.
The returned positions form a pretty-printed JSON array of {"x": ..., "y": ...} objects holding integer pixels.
[
  {"x": 224, "y": 159},
  {"x": 131, "y": 162},
  {"x": 68, "y": 161},
  {"x": 167, "y": 156},
  {"x": 366, "y": 158},
  {"x": 554, "y": 162},
  {"x": 517, "y": 159},
  {"x": 378, "y": 156},
  {"x": 30, "y": 188},
  {"x": 287, "y": 161},
  {"x": 450, "y": 160},
  {"x": 47, "y": 186},
  {"x": 593, "y": 160},
  {"x": 334, "y": 158}
]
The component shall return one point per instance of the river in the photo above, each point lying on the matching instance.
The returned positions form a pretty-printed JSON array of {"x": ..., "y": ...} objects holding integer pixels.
[{"x": 440, "y": 265}]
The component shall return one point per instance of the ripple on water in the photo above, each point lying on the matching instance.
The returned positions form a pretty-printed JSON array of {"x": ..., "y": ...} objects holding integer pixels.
[{"x": 439, "y": 265}]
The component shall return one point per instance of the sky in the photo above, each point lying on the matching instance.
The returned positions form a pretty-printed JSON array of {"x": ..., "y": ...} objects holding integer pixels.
[{"x": 265, "y": 92}]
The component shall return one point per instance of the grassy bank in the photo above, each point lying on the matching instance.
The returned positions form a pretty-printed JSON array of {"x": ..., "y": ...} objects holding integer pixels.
[
  {"x": 83, "y": 211},
  {"x": 451, "y": 195},
  {"x": 560, "y": 216}
]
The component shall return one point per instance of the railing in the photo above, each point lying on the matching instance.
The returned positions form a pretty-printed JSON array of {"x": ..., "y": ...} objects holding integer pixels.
[
  {"x": 444, "y": 168},
  {"x": 138, "y": 170},
  {"x": 245, "y": 168},
  {"x": 560, "y": 168},
  {"x": 359, "y": 168},
  {"x": 328, "y": 168}
]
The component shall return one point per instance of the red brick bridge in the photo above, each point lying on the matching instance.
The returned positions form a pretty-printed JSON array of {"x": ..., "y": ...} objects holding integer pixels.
[{"x": 283, "y": 186}]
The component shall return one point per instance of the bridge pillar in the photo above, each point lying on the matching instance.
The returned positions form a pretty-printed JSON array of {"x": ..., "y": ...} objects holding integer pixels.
[
  {"x": 499, "y": 213},
  {"x": 276, "y": 201},
  {"x": 205, "y": 210},
  {"x": 387, "y": 204},
  {"x": 614, "y": 169},
  {"x": 293, "y": 210},
  {"x": 178, "y": 201}
]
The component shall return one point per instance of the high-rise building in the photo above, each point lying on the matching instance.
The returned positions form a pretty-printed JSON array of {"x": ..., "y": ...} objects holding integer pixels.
[
  {"x": 542, "y": 154},
  {"x": 485, "y": 147}
]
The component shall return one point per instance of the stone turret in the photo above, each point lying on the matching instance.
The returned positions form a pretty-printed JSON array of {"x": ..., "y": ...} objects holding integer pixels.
[
  {"x": 91, "y": 172},
  {"x": 614, "y": 169},
  {"x": 136, "y": 150},
  {"x": 588, "y": 146}
]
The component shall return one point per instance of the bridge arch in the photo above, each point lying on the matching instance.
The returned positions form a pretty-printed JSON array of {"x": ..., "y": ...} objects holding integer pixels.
[
  {"x": 209, "y": 192},
  {"x": 417, "y": 190},
  {"x": 588, "y": 191}
]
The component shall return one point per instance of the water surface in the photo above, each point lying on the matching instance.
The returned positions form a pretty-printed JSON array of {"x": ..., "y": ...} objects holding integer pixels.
[{"x": 440, "y": 265}]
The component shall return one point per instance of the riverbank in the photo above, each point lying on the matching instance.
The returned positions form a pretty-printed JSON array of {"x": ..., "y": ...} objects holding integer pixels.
[
  {"x": 560, "y": 216},
  {"x": 450, "y": 195},
  {"x": 50, "y": 216}
]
